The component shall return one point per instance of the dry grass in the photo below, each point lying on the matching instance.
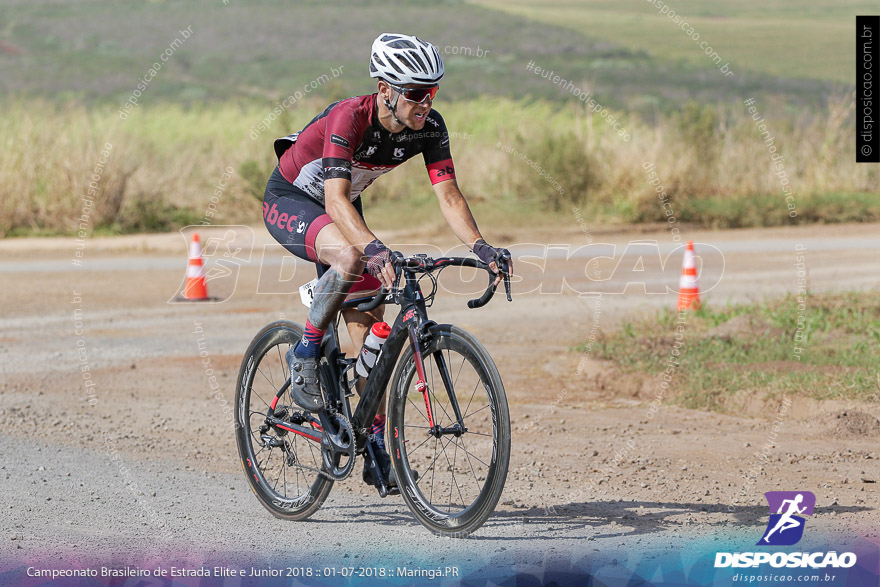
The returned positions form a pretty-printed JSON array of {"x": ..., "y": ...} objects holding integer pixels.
[{"x": 166, "y": 163}]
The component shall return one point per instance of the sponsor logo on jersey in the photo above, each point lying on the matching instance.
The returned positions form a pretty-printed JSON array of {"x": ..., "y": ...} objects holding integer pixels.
[
  {"x": 398, "y": 153},
  {"x": 371, "y": 150},
  {"x": 338, "y": 140},
  {"x": 337, "y": 168},
  {"x": 367, "y": 168}
]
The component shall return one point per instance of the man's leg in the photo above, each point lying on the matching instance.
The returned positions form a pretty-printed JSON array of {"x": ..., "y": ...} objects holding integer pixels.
[
  {"x": 346, "y": 266},
  {"x": 359, "y": 324}
]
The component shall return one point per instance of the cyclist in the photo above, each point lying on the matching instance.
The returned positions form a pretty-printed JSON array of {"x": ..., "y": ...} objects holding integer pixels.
[{"x": 312, "y": 203}]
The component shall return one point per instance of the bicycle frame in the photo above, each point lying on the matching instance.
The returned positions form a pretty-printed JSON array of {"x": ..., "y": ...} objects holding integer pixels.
[{"x": 412, "y": 323}]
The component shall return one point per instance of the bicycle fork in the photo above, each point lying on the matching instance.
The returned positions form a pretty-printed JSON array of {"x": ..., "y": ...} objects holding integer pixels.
[{"x": 422, "y": 387}]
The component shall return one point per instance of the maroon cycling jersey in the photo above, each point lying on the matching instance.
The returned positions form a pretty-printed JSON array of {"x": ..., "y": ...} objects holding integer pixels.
[{"x": 347, "y": 140}]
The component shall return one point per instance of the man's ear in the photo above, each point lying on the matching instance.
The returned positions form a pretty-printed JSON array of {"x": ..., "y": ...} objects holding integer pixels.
[{"x": 384, "y": 89}]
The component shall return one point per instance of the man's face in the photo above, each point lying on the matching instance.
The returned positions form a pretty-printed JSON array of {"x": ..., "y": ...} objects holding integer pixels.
[{"x": 411, "y": 114}]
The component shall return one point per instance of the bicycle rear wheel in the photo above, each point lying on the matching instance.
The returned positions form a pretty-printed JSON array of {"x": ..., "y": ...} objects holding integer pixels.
[
  {"x": 460, "y": 475},
  {"x": 283, "y": 468}
]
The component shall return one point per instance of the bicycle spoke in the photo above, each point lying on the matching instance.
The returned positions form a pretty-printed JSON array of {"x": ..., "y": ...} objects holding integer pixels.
[
  {"x": 454, "y": 455},
  {"x": 474, "y": 473},
  {"x": 432, "y": 373},
  {"x": 463, "y": 358},
  {"x": 301, "y": 470},
  {"x": 452, "y": 470},
  {"x": 479, "y": 433},
  {"x": 269, "y": 381},
  {"x": 436, "y": 456},
  {"x": 282, "y": 361},
  {"x": 251, "y": 389},
  {"x": 417, "y": 409},
  {"x": 473, "y": 393},
  {"x": 312, "y": 452},
  {"x": 475, "y": 456},
  {"x": 278, "y": 478},
  {"x": 475, "y": 411},
  {"x": 413, "y": 451},
  {"x": 287, "y": 456},
  {"x": 432, "y": 470},
  {"x": 260, "y": 463},
  {"x": 437, "y": 402}
]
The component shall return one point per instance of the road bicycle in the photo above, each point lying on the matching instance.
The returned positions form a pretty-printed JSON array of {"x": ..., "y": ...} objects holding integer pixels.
[{"x": 448, "y": 425}]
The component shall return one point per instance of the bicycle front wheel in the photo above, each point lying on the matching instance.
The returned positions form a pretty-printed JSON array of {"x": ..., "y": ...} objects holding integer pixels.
[{"x": 451, "y": 478}]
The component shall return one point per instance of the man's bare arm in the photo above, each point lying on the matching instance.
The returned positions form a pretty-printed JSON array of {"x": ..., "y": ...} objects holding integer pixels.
[
  {"x": 459, "y": 217},
  {"x": 456, "y": 211},
  {"x": 337, "y": 203}
]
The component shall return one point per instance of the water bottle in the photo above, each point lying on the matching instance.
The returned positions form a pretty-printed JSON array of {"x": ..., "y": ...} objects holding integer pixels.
[{"x": 370, "y": 351}]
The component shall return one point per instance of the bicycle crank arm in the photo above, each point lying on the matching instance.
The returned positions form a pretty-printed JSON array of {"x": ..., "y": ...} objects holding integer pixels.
[
  {"x": 377, "y": 471},
  {"x": 337, "y": 446}
]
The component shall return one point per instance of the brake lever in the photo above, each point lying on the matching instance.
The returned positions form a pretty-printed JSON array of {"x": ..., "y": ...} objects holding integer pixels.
[
  {"x": 396, "y": 260},
  {"x": 503, "y": 262}
]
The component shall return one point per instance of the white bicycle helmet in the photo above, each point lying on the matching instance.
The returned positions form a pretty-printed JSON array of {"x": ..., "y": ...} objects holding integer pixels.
[{"x": 405, "y": 59}]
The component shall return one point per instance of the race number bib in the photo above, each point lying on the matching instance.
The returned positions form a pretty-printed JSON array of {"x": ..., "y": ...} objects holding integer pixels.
[{"x": 307, "y": 293}]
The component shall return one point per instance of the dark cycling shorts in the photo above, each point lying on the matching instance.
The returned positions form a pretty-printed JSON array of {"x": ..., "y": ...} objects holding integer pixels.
[{"x": 294, "y": 220}]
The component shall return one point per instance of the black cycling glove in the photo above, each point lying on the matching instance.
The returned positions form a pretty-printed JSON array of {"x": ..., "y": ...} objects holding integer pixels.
[
  {"x": 377, "y": 255},
  {"x": 488, "y": 253}
]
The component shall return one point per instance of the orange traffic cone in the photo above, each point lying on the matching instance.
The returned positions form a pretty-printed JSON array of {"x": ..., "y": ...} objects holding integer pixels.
[
  {"x": 688, "y": 287},
  {"x": 196, "y": 289}
]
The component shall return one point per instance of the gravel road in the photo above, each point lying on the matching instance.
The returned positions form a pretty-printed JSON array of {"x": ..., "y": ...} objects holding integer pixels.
[{"x": 137, "y": 463}]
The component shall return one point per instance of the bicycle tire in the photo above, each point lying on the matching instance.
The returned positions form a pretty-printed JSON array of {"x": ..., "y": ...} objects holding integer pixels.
[
  {"x": 277, "y": 335},
  {"x": 404, "y": 439}
]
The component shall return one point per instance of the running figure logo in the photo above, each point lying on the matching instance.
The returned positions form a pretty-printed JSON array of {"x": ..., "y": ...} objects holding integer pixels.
[{"x": 785, "y": 526}]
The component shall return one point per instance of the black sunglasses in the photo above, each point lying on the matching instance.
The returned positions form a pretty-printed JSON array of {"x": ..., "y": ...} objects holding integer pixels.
[{"x": 417, "y": 95}]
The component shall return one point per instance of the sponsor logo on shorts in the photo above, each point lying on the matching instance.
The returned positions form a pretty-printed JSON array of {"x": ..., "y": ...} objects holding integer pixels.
[{"x": 282, "y": 220}]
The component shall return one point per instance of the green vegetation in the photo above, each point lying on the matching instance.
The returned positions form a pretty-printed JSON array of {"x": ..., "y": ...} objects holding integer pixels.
[
  {"x": 785, "y": 38},
  {"x": 753, "y": 348},
  {"x": 526, "y": 149},
  {"x": 518, "y": 162},
  {"x": 267, "y": 49}
]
